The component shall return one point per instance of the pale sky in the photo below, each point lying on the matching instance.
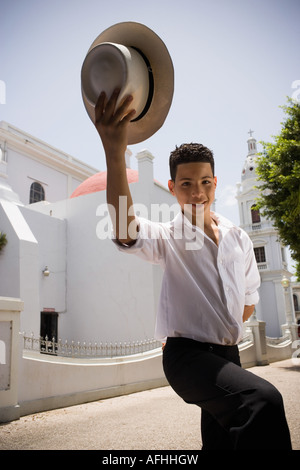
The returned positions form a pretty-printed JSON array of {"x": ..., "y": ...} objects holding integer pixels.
[{"x": 235, "y": 63}]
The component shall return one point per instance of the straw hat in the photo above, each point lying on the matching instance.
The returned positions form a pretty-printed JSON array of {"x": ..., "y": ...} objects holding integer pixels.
[{"x": 132, "y": 57}]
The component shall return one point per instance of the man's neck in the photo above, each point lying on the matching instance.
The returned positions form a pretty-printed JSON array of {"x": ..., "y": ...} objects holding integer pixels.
[{"x": 211, "y": 229}]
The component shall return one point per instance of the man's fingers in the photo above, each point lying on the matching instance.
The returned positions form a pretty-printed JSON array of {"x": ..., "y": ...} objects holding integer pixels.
[
  {"x": 107, "y": 113},
  {"x": 129, "y": 116},
  {"x": 100, "y": 106},
  {"x": 106, "y": 107},
  {"x": 123, "y": 109},
  {"x": 111, "y": 104}
]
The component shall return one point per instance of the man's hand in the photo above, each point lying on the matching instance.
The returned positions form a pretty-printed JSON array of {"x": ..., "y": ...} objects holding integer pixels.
[
  {"x": 112, "y": 123},
  {"x": 248, "y": 310}
]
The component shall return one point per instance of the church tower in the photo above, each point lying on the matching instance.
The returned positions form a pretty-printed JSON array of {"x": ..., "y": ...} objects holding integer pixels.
[{"x": 275, "y": 306}]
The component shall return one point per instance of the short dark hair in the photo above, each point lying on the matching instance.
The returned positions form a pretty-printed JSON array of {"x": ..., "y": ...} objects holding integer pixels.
[{"x": 188, "y": 153}]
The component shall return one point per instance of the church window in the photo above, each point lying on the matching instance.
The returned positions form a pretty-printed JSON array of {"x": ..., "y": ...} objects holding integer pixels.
[
  {"x": 255, "y": 215},
  {"x": 37, "y": 193},
  {"x": 260, "y": 254}
]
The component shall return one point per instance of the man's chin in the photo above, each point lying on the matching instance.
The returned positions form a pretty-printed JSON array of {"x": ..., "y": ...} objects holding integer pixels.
[{"x": 194, "y": 212}]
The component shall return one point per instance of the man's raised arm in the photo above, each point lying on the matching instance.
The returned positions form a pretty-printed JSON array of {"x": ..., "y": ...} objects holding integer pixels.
[{"x": 112, "y": 125}]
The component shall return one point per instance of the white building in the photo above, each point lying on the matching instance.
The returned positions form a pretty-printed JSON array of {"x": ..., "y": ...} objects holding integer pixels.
[
  {"x": 31, "y": 170},
  {"x": 276, "y": 303},
  {"x": 75, "y": 285},
  {"x": 61, "y": 261}
]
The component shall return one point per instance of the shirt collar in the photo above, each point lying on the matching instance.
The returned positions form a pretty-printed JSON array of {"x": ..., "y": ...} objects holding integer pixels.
[{"x": 222, "y": 220}]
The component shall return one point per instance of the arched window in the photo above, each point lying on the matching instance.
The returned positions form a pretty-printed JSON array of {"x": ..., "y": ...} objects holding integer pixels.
[
  {"x": 37, "y": 193},
  {"x": 255, "y": 215}
]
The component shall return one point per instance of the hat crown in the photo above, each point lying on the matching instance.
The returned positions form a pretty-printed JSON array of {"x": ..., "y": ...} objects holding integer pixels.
[{"x": 109, "y": 66}]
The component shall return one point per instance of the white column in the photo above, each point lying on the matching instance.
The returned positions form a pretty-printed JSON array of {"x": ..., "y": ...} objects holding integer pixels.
[
  {"x": 10, "y": 309},
  {"x": 145, "y": 167},
  {"x": 145, "y": 184}
]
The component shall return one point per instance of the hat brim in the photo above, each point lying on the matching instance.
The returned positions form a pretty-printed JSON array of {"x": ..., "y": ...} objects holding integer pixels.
[{"x": 139, "y": 36}]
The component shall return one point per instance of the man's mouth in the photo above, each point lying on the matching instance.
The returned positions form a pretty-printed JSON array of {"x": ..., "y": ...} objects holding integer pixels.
[{"x": 194, "y": 205}]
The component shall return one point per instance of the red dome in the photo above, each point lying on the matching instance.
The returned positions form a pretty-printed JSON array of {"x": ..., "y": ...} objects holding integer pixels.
[{"x": 97, "y": 183}]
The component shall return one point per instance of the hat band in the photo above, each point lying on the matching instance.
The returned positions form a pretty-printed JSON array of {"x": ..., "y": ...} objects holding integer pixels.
[{"x": 151, "y": 86}]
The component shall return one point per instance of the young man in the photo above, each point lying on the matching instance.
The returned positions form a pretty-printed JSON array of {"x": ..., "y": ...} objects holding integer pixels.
[{"x": 208, "y": 290}]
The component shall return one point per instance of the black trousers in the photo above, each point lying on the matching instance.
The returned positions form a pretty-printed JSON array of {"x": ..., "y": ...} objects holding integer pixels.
[{"x": 239, "y": 410}]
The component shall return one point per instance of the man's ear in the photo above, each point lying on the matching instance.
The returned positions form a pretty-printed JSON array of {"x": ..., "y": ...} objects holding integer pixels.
[
  {"x": 215, "y": 181},
  {"x": 171, "y": 187}
]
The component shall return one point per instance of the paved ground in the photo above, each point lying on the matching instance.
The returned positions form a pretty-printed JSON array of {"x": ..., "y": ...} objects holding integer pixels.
[{"x": 151, "y": 420}]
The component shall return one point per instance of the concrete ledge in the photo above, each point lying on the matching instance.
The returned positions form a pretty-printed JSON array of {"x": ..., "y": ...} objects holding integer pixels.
[
  {"x": 9, "y": 413},
  {"x": 82, "y": 380},
  {"x": 11, "y": 305},
  {"x": 52, "y": 403}
]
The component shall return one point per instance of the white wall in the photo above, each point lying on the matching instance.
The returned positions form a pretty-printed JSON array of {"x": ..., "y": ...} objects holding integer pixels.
[
  {"x": 27, "y": 159},
  {"x": 50, "y": 382},
  {"x": 51, "y": 234},
  {"x": 9, "y": 256},
  {"x": 111, "y": 296},
  {"x": 19, "y": 264},
  {"x": 22, "y": 171},
  {"x": 34, "y": 241}
]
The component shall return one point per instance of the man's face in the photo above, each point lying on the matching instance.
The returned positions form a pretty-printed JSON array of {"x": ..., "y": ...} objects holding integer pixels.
[{"x": 194, "y": 184}]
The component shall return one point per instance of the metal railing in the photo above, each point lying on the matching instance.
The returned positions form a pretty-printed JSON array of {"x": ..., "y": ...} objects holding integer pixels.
[
  {"x": 87, "y": 350},
  {"x": 261, "y": 266}
]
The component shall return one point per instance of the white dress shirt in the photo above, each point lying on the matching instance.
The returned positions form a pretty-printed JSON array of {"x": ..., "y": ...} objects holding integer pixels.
[{"x": 205, "y": 287}]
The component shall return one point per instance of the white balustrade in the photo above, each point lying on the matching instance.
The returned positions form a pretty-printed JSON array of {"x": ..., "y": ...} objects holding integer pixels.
[{"x": 83, "y": 349}]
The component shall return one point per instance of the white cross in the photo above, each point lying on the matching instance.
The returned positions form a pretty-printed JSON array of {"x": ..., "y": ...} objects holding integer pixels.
[{"x": 250, "y": 132}]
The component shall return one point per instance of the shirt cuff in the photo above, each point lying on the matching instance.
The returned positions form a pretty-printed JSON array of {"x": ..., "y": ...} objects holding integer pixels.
[
  {"x": 124, "y": 245},
  {"x": 252, "y": 299}
]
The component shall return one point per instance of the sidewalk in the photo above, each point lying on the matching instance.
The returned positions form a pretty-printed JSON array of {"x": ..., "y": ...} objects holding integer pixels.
[{"x": 151, "y": 420}]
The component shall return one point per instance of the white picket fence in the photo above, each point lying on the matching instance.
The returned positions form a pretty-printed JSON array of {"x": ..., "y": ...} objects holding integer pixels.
[{"x": 86, "y": 350}]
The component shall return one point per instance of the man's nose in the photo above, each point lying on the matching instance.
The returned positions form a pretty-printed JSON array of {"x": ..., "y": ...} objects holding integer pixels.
[{"x": 198, "y": 190}]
